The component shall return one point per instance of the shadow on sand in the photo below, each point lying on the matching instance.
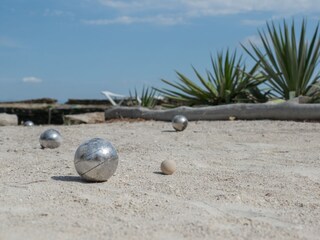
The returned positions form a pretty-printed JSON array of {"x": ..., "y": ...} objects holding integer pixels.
[
  {"x": 159, "y": 173},
  {"x": 168, "y": 131},
  {"x": 69, "y": 179}
]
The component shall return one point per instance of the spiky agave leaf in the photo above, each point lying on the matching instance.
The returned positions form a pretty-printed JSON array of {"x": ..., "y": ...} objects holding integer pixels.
[
  {"x": 232, "y": 80},
  {"x": 148, "y": 97},
  {"x": 225, "y": 84},
  {"x": 290, "y": 62}
]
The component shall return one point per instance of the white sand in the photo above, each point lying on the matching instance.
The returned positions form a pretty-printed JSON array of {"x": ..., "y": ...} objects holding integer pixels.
[{"x": 234, "y": 180}]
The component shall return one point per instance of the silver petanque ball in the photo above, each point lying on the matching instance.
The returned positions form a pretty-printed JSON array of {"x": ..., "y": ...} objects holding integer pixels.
[
  {"x": 28, "y": 123},
  {"x": 96, "y": 160},
  {"x": 50, "y": 138},
  {"x": 179, "y": 122}
]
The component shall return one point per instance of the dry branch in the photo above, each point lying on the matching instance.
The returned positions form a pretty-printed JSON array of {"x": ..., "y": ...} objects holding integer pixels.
[{"x": 283, "y": 111}]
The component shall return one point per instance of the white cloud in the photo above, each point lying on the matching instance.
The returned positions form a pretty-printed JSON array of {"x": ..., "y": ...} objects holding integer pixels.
[
  {"x": 179, "y": 11},
  {"x": 161, "y": 20},
  {"x": 213, "y": 7},
  {"x": 119, "y": 20},
  {"x": 259, "y": 22},
  {"x": 141, "y": 5},
  {"x": 31, "y": 80}
]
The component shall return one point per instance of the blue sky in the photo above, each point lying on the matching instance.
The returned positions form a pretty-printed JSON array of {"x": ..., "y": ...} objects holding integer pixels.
[{"x": 76, "y": 48}]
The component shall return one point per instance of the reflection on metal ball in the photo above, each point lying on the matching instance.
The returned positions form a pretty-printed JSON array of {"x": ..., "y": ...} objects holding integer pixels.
[
  {"x": 50, "y": 138},
  {"x": 179, "y": 122},
  {"x": 28, "y": 123},
  {"x": 96, "y": 160}
]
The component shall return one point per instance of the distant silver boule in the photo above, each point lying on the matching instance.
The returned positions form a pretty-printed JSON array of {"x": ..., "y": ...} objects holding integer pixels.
[
  {"x": 179, "y": 122},
  {"x": 96, "y": 160},
  {"x": 50, "y": 138},
  {"x": 28, "y": 123}
]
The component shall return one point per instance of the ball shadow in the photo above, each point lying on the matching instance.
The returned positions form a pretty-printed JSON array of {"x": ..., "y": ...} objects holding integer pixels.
[
  {"x": 69, "y": 179},
  {"x": 168, "y": 131},
  {"x": 159, "y": 173}
]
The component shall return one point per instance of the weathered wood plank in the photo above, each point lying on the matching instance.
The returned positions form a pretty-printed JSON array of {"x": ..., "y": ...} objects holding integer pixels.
[{"x": 283, "y": 111}]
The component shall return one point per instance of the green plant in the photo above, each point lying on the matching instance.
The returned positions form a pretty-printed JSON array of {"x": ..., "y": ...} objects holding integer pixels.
[
  {"x": 148, "y": 97},
  {"x": 289, "y": 62},
  {"x": 228, "y": 83}
]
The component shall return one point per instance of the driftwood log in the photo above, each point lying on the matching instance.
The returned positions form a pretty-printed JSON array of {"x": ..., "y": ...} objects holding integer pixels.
[{"x": 281, "y": 111}]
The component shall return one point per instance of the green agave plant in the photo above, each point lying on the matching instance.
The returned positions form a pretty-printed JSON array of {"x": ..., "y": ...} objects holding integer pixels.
[
  {"x": 148, "y": 97},
  {"x": 289, "y": 62},
  {"x": 228, "y": 83}
]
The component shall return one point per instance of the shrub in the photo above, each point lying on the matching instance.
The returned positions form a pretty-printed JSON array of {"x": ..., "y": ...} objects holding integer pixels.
[
  {"x": 148, "y": 97},
  {"x": 228, "y": 83},
  {"x": 289, "y": 62}
]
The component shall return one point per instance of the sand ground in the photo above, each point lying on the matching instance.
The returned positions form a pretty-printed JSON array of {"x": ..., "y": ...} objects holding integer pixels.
[{"x": 234, "y": 180}]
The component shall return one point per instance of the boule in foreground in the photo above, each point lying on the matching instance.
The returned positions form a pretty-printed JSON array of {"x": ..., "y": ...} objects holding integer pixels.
[{"x": 96, "y": 160}]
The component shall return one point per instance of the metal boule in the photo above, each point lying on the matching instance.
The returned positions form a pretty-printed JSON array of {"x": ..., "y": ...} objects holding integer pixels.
[
  {"x": 50, "y": 138},
  {"x": 96, "y": 160},
  {"x": 179, "y": 122},
  {"x": 28, "y": 123}
]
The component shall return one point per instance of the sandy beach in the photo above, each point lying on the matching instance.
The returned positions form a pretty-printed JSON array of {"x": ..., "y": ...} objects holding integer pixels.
[{"x": 234, "y": 180}]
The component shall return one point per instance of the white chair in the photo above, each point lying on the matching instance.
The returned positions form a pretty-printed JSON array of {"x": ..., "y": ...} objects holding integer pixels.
[{"x": 113, "y": 97}]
